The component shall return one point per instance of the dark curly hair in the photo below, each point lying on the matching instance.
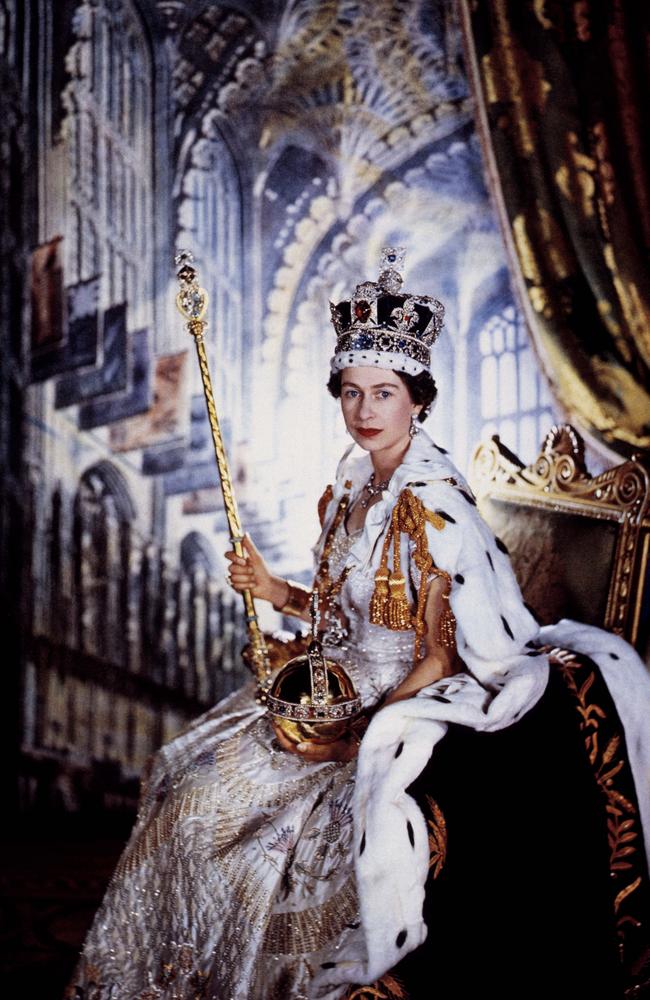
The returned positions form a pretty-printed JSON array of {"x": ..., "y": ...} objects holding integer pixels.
[{"x": 422, "y": 389}]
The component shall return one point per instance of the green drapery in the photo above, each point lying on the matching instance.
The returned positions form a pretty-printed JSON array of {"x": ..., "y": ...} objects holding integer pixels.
[{"x": 563, "y": 108}]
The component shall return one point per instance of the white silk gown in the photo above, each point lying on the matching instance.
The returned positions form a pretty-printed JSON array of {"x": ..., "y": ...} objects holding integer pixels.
[
  {"x": 238, "y": 879},
  {"x": 254, "y": 875}
]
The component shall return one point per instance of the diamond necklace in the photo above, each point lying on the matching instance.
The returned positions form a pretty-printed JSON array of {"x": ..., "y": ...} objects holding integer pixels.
[{"x": 373, "y": 490}]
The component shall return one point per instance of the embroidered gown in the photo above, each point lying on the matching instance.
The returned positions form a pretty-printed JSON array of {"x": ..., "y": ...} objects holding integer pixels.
[
  {"x": 237, "y": 881},
  {"x": 252, "y": 874}
]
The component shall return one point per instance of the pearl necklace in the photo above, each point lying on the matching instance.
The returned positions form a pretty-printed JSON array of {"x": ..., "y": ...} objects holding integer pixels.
[{"x": 373, "y": 490}]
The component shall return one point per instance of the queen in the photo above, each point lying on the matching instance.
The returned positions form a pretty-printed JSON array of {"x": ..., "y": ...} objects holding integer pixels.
[{"x": 262, "y": 866}]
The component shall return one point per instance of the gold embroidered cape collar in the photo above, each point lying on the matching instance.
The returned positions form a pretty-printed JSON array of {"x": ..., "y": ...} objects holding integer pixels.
[{"x": 423, "y": 462}]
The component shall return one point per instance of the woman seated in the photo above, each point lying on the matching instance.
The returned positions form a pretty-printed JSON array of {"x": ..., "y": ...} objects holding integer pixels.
[{"x": 497, "y": 758}]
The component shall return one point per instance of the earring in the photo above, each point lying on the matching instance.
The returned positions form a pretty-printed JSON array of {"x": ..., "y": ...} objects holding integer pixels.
[{"x": 414, "y": 428}]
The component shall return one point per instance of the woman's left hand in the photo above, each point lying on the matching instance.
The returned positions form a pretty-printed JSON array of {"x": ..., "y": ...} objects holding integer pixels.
[{"x": 341, "y": 751}]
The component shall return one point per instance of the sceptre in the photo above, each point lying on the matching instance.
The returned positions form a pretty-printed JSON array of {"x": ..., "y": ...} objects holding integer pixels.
[{"x": 192, "y": 303}]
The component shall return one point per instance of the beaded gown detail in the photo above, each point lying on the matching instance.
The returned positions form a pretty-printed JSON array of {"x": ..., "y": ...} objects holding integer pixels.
[
  {"x": 238, "y": 882},
  {"x": 251, "y": 873}
]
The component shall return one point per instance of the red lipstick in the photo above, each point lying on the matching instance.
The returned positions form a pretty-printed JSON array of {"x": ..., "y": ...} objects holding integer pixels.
[{"x": 368, "y": 431}]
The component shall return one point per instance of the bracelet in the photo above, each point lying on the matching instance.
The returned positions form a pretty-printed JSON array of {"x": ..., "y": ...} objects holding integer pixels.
[{"x": 298, "y": 599}]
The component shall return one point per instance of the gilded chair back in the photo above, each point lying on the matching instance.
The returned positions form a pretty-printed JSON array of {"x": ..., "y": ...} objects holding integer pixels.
[{"x": 579, "y": 544}]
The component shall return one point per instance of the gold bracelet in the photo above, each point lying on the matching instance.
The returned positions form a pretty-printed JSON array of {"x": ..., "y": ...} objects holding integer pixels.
[{"x": 298, "y": 599}]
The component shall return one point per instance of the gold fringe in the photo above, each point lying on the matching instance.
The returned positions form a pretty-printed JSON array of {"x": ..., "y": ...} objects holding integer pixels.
[
  {"x": 398, "y": 611},
  {"x": 447, "y": 628},
  {"x": 389, "y": 605},
  {"x": 388, "y": 987},
  {"x": 379, "y": 598},
  {"x": 447, "y": 619},
  {"x": 323, "y": 503}
]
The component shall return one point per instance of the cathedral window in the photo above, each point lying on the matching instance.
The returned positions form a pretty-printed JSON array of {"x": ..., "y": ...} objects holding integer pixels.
[
  {"x": 514, "y": 400},
  {"x": 109, "y": 138},
  {"x": 210, "y": 223}
]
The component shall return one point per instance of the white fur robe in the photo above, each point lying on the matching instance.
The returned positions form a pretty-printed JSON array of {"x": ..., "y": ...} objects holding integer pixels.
[{"x": 505, "y": 678}]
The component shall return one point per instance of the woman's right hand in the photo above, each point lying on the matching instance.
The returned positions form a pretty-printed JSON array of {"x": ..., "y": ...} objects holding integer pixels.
[
  {"x": 250, "y": 572},
  {"x": 341, "y": 751}
]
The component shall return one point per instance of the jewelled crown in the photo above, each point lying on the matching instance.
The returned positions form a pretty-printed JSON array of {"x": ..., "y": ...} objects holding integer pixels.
[{"x": 381, "y": 325}]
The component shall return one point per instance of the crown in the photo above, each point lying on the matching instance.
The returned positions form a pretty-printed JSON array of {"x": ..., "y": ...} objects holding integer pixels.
[{"x": 385, "y": 326}]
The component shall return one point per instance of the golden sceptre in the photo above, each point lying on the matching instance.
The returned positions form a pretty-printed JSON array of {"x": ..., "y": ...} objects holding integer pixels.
[{"x": 192, "y": 303}]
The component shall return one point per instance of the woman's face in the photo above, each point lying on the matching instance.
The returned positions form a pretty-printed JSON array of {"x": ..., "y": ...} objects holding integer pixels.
[{"x": 377, "y": 407}]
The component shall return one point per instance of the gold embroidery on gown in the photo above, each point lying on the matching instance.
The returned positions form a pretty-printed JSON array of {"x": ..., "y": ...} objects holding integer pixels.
[{"x": 241, "y": 859}]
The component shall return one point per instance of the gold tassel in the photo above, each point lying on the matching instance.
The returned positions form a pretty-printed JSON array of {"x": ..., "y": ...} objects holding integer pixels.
[
  {"x": 398, "y": 611},
  {"x": 377, "y": 610},
  {"x": 419, "y": 622},
  {"x": 411, "y": 516},
  {"x": 379, "y": 596},
  {"x": 447, "y": 628}
]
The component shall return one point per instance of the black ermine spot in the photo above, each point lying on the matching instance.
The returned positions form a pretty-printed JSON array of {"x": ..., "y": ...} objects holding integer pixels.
[{"x": 507, "y": 627}]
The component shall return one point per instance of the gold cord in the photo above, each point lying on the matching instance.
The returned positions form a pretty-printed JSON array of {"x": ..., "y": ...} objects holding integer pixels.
[
  {"x": 327, "y": 588},
  {"x": 397, "y": 613},
  {"x": 389, "y": 603}
]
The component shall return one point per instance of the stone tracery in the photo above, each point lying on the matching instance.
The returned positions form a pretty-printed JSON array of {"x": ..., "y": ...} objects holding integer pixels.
[{"x": 285, "y": 143}]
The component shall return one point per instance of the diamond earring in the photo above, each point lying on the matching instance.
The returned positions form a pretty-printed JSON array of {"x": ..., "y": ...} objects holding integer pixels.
[{"x": 415, "y": 427}]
